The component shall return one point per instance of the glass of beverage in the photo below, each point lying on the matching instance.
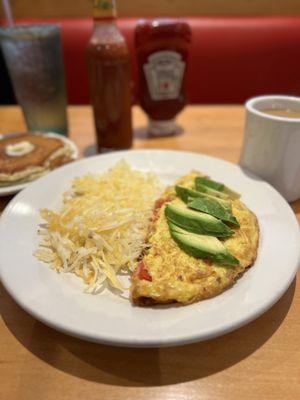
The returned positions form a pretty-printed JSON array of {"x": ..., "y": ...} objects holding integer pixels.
[{"x": 34, "y": 60}]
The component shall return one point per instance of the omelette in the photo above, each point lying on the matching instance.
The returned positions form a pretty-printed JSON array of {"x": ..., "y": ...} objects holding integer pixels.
[{"x": 171, "y": 271}]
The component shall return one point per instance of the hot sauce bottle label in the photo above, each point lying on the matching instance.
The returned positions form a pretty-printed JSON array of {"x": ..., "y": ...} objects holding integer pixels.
[{"x": 164, "y": 72}]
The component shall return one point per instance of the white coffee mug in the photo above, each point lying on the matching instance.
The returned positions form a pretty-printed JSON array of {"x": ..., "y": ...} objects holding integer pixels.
[{"x": 271, "y": 147}]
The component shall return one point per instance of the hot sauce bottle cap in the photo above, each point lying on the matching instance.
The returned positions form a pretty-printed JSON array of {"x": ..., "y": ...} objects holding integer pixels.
[{"x": 104, "y": 10}]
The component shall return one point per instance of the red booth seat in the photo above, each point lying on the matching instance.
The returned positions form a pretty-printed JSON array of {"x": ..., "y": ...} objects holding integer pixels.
[{"x": 231, "y": 58}]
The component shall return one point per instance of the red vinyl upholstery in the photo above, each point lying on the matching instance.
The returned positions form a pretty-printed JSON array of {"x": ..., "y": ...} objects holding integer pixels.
[{"x": 231, "y": 58}]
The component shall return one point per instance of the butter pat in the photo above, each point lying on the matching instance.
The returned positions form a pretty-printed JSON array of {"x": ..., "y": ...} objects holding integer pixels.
[{"x": 19, "y": 149}]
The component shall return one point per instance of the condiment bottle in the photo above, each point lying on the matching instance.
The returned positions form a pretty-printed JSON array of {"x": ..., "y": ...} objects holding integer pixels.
[
  {"x": 162, "y": 51},
  {"x": 109, "y": 76}
]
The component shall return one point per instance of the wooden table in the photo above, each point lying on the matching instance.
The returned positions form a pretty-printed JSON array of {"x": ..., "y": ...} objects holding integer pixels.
[{"x": 258, "y": 361}]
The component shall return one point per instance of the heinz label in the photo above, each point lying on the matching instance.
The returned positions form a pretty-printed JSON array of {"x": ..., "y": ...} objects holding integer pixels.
[{"x": 164, "y": 72}]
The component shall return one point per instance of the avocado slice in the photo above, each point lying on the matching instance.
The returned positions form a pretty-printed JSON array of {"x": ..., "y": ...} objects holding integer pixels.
[
  {"x": 212, "y": 192},
  {"x": 185, "y": 193},
  {"x": 202, "y": 246},
  {"x": 212, "y": 207},
  {"x": 196, "y": 222},
  {"x": 220, "y": 187}
]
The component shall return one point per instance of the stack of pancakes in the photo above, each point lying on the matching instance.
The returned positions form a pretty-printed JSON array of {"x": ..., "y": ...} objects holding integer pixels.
[{"x": 26, "y": 157}]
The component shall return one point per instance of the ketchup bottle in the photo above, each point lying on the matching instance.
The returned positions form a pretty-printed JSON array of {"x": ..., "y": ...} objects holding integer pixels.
[
  {"x": 109, "y": 76},
  {"x": 162, "y": 51}
]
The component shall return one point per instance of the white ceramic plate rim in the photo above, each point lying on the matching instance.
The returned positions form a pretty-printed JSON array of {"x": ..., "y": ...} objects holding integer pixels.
[
  {"x": 12, "y": 189},
  {"x": 108, "y": 336}
]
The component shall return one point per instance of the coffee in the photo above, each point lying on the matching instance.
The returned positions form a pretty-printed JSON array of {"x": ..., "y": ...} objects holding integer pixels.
[
  {"x": 272, "y": 142},
  {"x": 282, "y": 112}
]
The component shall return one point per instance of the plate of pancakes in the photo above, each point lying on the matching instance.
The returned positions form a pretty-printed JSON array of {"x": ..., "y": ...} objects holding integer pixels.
[{"x": 27, "y": 156}]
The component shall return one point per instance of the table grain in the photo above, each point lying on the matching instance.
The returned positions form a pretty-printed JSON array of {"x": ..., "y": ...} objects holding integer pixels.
[{"x": 258, "y": 361}]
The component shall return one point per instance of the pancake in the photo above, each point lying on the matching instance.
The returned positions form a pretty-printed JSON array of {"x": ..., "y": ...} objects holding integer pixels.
[
  {"x": 27, "y": 156},
  {"x": 167, "y": 274}
]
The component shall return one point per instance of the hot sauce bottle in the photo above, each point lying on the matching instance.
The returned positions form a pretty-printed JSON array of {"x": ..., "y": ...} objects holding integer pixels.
[
  {"x": 109, "y": 78},
  {"x": 162, "y": 52}
]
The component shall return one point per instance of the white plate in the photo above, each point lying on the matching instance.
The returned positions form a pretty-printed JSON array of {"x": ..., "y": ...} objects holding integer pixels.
[
  {"x": 12, "y": 189},
  {"x": 58, "y": 300}
]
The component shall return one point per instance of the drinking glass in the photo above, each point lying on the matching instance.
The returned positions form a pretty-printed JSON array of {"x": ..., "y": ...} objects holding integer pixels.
[{"x": 34, "y": 60}]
